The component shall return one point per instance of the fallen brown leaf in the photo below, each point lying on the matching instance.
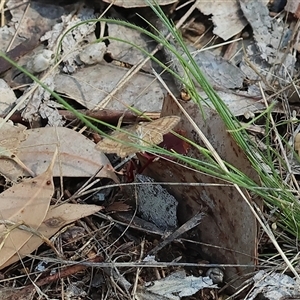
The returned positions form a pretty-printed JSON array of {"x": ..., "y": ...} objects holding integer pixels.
[
  {"x": 56, "y": 218},
  {"x": 11, "y": 137},
  {"x": 77, "y": 154},
  {"x": 27, "y": 204}
]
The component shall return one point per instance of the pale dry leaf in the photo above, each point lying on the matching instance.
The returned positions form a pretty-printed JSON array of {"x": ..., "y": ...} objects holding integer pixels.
[
  {"x": 145, "y": 134},
  {"x": 10, "y": 138},
  {"x": 126, "y": 52},
  {"x": 56, "y": 218},
  {"x": 226, "y": 16},
  {"x": 178, "y": 285},
  {"x": 85, "y": 88},
  {"x": 273, "y": 286},
  {"x": 237, "y": 104},
  {"x": 271, "y": 37},
  {"x": 137, "y": 3},
  {"x": 24, "y": 203},
  {"x": 8, "y": 97},
  {"x": 218, "y": 71},
  {"x": 77, "y": 154}
]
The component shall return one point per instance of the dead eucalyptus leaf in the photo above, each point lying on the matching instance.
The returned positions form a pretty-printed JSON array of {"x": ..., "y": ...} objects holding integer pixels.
[
  {"x": 10, "y": 139},
  {"x": 85, "y": 88},
  {"x": 56, "y": 218},
  {"x": 77, "y": 154},
  {"x": 25, "y": 203}
]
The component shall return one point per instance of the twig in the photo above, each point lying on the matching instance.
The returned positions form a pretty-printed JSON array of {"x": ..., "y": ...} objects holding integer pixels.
[{"x": 193, "y": 222}]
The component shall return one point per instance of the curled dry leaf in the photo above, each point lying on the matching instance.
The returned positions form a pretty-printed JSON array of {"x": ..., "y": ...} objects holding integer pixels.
[
  {"x": 56, "y": 218},
  {"x": 27, "y": 204}
]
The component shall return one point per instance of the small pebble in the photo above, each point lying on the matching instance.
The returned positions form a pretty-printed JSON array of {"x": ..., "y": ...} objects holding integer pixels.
[
  {"x": 40, "y": 61},
  {"x": 215, "y": 274}
]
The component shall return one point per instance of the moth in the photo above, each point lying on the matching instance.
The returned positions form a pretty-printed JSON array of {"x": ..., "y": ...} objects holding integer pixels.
[{"x": 145, "y": 134}]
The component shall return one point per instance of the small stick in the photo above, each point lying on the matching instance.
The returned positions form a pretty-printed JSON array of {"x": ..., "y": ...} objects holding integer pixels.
[{"x": 193, "y": 222}]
